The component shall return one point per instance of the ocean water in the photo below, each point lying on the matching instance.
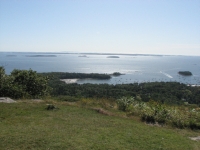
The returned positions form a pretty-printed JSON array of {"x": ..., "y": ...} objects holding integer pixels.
[{"x": 136, "y": 68}]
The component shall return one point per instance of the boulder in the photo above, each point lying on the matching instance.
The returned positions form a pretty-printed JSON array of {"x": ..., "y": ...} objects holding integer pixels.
[{"x": 6, "y": 100}]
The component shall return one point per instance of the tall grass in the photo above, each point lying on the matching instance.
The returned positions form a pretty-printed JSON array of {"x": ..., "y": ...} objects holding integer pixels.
[{"x": 154, "y": 112}]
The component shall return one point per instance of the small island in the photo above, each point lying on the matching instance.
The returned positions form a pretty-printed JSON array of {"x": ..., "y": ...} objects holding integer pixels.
[
  {"x": 185, "y": 73},
  {"x": 113, "y": 57},
  {"x": 41, "y": 56},
  {"x": 116, "y": 74},
  {"x": 82, "y": 56},
  {"x": 67, "y": 75}
]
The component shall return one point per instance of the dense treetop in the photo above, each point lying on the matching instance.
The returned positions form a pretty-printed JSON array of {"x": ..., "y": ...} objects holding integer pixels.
[
  {"x": 30, "y": 84},
  {"x": 185, "y": 73},
  {"x": 164, "y": 92},
  {"x": 23, "y": 84}
]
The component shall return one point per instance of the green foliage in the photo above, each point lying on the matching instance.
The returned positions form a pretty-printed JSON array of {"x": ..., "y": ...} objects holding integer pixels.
[
  {"x": 155, "y": 112},
  {"x": 163, "y": 92},
  {"x": 116, "y": 74},
  {"x": 124, "y": 103},
  {"x": 67, "y": 75},
  {"x": 27, "y": 125},
  {"x": 2, "y": 74},
  {"x": 23, "y": 84},
  {"x": 51, "y": 107},
  {"x": 185, "y": 73}
]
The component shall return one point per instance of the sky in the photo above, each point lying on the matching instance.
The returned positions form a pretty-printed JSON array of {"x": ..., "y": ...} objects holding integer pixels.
[{"x": 101, "y": 26}]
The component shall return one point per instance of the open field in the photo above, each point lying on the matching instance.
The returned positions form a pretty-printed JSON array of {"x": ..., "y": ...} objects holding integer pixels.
[{"x": 28, "y": 125}]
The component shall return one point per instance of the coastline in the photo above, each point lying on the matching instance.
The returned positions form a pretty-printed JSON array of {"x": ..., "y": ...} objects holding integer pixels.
[
  {"x": 69, "y": 81},
  {"x": 193, "y": 85}
]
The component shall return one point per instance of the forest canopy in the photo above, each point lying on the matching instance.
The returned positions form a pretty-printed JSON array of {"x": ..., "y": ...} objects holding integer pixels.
[
  {"x": 185, "y": 73},
  {"x": 164, "y": 92},
  {"x": 23, "y": 84},
  {"x": 67, "y": 75},
  {"x": 30, "y": 84}
]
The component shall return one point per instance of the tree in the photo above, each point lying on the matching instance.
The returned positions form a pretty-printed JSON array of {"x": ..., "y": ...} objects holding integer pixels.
[
  {"x": 23, "y": 84},
  {"x": 2, "y": 75}
]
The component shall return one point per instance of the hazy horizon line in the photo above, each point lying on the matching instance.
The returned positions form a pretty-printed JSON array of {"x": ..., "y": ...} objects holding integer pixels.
[{"x": 98, "y": 53}]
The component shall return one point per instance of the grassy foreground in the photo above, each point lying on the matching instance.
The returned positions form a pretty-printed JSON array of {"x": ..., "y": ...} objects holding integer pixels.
[{"x": 28, "y": 125}]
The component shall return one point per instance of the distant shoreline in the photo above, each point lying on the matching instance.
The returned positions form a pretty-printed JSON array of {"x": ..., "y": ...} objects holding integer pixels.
[
  {"x": 41, "y": 56},
  {"x": 85, "y": 53},
  {"x": 97, "y": 53},
  {"x": 69, "y": 81},
  {"x": 113, "y": 57}
]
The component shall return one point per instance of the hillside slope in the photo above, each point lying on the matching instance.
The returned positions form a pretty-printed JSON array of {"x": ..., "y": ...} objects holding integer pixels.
[{"x": 28, "y": 125}]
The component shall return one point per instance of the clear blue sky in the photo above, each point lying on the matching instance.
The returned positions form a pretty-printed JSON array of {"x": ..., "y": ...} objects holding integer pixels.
[{"x": 112, "y": 26}]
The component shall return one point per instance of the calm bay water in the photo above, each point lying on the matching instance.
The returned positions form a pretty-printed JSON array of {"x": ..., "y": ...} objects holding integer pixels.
[{"x": 135, "y": 68}]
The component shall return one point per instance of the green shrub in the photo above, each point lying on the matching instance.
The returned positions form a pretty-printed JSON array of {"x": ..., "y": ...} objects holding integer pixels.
[
  {"x": 23, "y": 84},
  {"x": 124, "y": 103},
  {"x": 154, "y": 112}
]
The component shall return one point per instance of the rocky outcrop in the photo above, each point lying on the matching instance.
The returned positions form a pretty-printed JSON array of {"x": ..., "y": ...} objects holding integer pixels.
[{"x": 6, "y": 100}]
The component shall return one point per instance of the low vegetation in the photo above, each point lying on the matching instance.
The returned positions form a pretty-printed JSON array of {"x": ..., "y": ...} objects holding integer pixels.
[
  {"x": 67, "y": 75},
  {"x": 29, "y": 125},
  {"x": 164, "y": 92},
  {"x": 89, "y": 116},
  {"x": 154, "y": 112}
]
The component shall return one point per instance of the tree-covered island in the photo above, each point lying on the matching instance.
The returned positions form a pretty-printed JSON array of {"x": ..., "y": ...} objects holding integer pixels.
[
  {"x": 68, "y": 75},
  {"x": 117, "y": 74},
  {"x": 185, "y": 73},
  {"x": 113, "y": 57}
]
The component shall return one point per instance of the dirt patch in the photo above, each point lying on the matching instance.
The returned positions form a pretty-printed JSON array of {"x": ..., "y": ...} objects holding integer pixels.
[
  {"x": 6, "y": 100},
  {"x": 37, "y": 100},
  {"x": 154, "y": 124},
  {"x": 102, "y": 111}
]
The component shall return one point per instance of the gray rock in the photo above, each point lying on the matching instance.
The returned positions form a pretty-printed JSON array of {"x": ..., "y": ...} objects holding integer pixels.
[
  {"x": 6, "y": 100},
  {"x": 195, "y": 138}
]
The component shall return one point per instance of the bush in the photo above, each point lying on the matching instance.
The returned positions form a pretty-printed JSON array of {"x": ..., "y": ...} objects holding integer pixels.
[
  {"x": 51, "y": 107},
  {"x": 154, "y": 112},
  {"x": 124, "y": 103},
  {"x": 23, "y": 84}
]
